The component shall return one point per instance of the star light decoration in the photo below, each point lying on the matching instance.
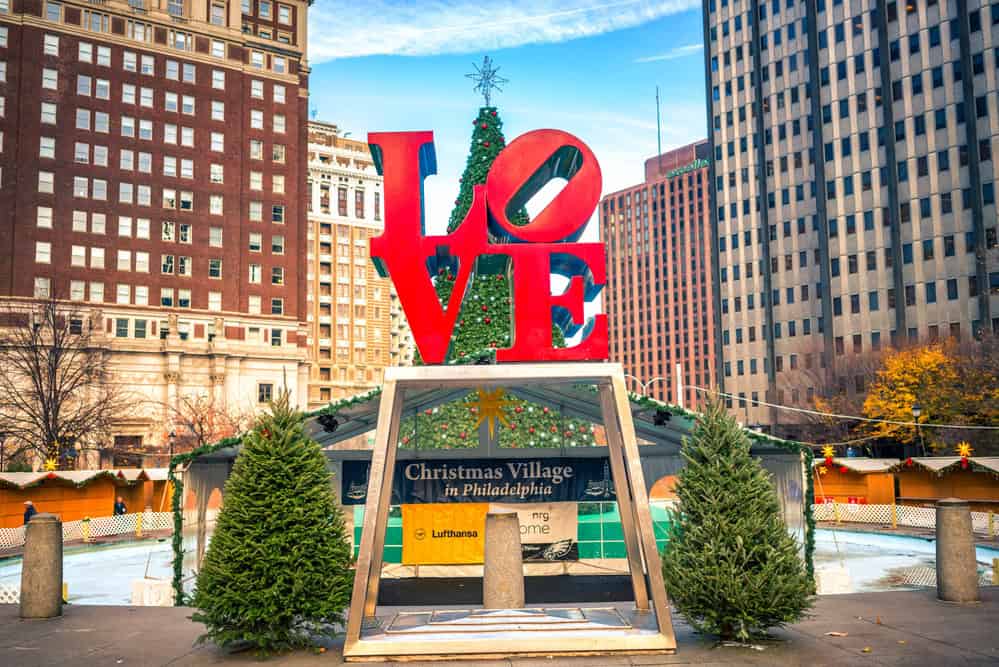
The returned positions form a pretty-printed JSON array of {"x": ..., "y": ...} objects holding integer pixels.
[
  {"x": 486, "y": 78},
  {"x": 51, "y": 464},
  {"x": 964, "y": 449},
  {"x": 489, "y": 408}
]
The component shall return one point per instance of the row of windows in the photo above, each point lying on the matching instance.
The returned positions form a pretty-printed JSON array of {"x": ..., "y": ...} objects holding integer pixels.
[
  {"x": 139, "y": 228},
  {"x": 139, "y": 295},
  {"x": 181, "y": 40}
]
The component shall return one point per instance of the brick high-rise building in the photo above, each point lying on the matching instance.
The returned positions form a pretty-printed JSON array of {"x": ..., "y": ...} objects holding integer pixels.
[
  {"x": 356, "y": 328},
  {"x": 658, "y": 297},
  {"x": 152, "y": 167},
  {"x": 854, "y": 180}
]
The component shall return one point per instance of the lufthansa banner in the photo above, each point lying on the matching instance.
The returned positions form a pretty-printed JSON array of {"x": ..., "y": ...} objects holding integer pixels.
[
  {"x": 540, "y": 480},
  {"x": 445, "y": 534}
]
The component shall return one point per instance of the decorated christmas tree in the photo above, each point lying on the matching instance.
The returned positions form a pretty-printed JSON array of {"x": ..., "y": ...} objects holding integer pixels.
[
  {"x": 730, "y": 566},
  {"x": 277, "y": 571},
  {"x": 484, "y": 325}
]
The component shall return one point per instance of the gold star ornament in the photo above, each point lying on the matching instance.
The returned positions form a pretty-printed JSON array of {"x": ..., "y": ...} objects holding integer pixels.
[
  {"x": 489, "y": 406},
  {"x": 50, "y": 464},
  {"x": 964, "y": 449},
  {"x": 828, "y": 452}
]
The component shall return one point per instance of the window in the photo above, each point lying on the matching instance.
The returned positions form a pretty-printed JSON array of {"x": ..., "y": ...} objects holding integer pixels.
[
  {"x": 184, "y": 233},
  {"x": 142, "y": 262},
  {"x": 49, "y": 114},
  {"x": 166, "y": 297},
  {"x": 50, "y": 46},
  {"x": 218, "y": 79},
  {"x": 183, "y": 266},
  {"x": 148, "y": 66},
  {"x": 215, "y": 301},
  {"x": 277, "y": 183},
  {"x": 256, "y": 212},
  {"x": 277, "y": 306},
  {"x": 83, "y": 85},
  {"x": 255, "y": 242},
  {"x": 167, "y": 264},
  {"x": 265, "y": 392},
  {"x": 257, "y": 89},
  {"x": 43, "y": 217},
  {"x": 215, "y": 237},
  {"x": 256, "y": 180},
  {"x": 189, "y": 73},
  {"x": 215, "y": 269},
  {"x": 256, "y": 149},
  {"x": 254, "y": 270},
  {"x": 97, "y": 292},
  {"x": 253, "y": 305},
  {"x": 279, "y": 123},
  {"x": 277, "y": 214},
  {"x": 81, "y": 187},
  {"x": 278, "y": 153},
  {"x": 257, "y": 120},
  {"x": 42, "y": 288},
  {"x": 124, "y": 260},
  {"x": 129, "y": 61},
  {"x": 139, "y": 326},
  {"x": 217, "y": 174},
  {"x": 77, "y": 290},
  {"x": 277, "y": 245},
  {"x": 43, "y": 252},
  {"x": 264, "y": 9},
  {"x": 46, "y": 147},
  {"x": 215, "y": 204},
  {"x": 218, "y": 50},
  {"x": 104, "y": 56},
  {"x": 279, "y": 64},
  {"x": 46, "y": 182},
  {"x": 187, "y": 105},
  {"x": 277, "y": 275},
  {"x": 284, "y": 14},
  {"x": 120, "y": 323},
  {"x": 256, "y": 59},
  {"x": 97, "y": 258},
  {"x": 50, "y": 79},
  {"x": 102, "y": 89},
  {"x": 279, "y": 94}
]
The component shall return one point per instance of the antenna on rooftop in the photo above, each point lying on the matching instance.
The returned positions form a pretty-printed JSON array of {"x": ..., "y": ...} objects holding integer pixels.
[{"x": 659, "y": 136}]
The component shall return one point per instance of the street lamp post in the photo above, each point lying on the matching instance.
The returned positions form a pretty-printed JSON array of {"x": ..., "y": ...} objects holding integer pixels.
[
  {"x": 917, "y": 410},
  {"x": 170, "y": 439}
]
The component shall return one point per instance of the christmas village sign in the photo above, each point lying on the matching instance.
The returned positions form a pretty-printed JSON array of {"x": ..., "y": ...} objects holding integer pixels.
[{"x": 485, "y": 243}]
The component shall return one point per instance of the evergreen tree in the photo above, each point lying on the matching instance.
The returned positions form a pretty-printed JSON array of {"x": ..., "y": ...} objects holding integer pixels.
[
  {"x": 278, "y": 566},
  {"x": 730, "y": 566},
  {"x": 483, "y": 325}
]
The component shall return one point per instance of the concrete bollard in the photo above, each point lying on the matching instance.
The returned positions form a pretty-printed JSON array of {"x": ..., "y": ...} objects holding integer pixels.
[
  {"x": 957, "y": 571},
  {"x": 41, "y": 569},
  {"x": 503, "y": 571}
]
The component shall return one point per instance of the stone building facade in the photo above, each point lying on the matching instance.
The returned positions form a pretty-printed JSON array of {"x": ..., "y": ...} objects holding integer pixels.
[{"x": 356, "y": 326}]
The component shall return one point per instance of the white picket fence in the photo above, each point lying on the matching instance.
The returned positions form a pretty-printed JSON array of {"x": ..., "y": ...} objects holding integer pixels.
[
  {"x": 986, "y": 523},
  {"x": 103, "y": 526}
]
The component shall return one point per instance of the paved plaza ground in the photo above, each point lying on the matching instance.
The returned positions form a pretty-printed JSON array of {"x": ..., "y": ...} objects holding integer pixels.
[{"x": 898, "y": 628}]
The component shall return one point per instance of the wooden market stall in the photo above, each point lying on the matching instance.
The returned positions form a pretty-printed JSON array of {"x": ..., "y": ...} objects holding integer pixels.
[
  {"x": 924, "y": 480},
  {"x": 855, "y": 481},
  {"x": 75, "y": 494}
]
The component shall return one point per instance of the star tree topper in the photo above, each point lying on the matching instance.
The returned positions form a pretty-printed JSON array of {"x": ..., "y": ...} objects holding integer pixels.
[{"x": 486, "y": 78}]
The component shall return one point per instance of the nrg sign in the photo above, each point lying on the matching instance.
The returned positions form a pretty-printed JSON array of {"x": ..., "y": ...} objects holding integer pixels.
[{"x": 488, "y": 242}]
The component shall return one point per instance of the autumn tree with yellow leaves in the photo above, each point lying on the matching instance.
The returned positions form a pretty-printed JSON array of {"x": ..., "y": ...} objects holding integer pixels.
[{"x": 952, "y": 385}]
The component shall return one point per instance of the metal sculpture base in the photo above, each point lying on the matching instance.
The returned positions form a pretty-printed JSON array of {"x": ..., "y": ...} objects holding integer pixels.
[{"x": 450, "y": 634}]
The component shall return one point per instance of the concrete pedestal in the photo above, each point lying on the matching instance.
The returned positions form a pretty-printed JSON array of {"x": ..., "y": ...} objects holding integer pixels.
[
  {"x": 41, "y": 569},
  {"x": 503, "y": 571},
  {"x": 957, "y": 571}
]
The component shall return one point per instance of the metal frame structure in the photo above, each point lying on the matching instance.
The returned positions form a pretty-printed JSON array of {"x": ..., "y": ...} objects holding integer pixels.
[{"x": 651, "y": 612}]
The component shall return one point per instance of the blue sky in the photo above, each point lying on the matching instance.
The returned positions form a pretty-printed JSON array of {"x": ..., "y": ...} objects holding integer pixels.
[{"x": 584, "y": 66}]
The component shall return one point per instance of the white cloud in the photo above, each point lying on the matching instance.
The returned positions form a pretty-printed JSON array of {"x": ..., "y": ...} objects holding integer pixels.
[
  {"x": 672, "y": 54},
  {"x": 345, "y": 28}
]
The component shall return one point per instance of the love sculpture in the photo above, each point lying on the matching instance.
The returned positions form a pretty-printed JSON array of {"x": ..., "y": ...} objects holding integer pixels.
[{"x": 407, "y": 255}]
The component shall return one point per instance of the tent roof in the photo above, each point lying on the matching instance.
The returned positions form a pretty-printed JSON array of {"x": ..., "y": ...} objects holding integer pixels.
[
  {"x": 358, "y": 415},
  {"x": 863, "y": 465},
  {"x": 22, "y": 480},
  {"x": 941, "y": 463}
]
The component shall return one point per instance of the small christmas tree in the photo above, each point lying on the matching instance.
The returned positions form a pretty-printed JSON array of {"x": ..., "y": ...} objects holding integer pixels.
[
  {"x": 277, "y": 570},
  {"x": 730, "y": 566}
]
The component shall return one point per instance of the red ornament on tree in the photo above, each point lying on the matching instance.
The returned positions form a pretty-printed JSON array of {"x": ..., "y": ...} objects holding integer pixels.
[
  {"x": 428, "y": 411},
  {"x": 492, "y": 113},
  {"x": 444, "y": 427},
  {"x": 265, "y": 433},
  {"x": 518, "y": 409},
  {"x": 530, "y": 430},
  {"x": 554, "y": 429},
  {"x": 486, "y": 144},
  {"x": 545, "y": 410},
  {"x": 488, "y": 320},
  {"x": 843, "y": 469},
  {"x": 485, "y": 309},
  {"x": 513, "y": 427},
  {"x": 485, "y": 126},
  {"x": 462, "y": 435}
]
